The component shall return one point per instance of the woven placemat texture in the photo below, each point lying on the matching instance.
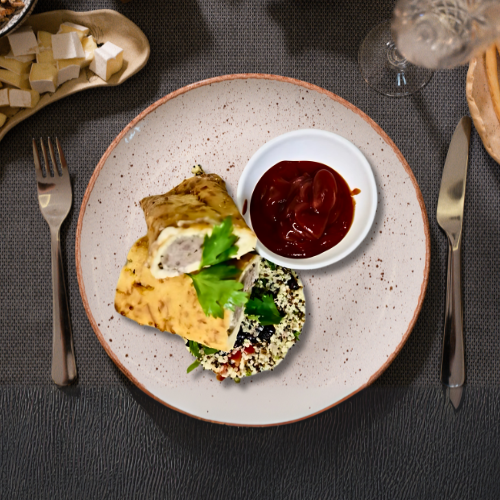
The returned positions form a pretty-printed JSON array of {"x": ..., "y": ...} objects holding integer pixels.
[
  {"x": 383, "y": 443},
  {"x": 194, "y": 40}
]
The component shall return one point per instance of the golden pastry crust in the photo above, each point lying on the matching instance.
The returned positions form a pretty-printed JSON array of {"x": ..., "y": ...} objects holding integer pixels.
[
  {"x": 200, "y": 201},
  {"x": 170, "y": 304}
]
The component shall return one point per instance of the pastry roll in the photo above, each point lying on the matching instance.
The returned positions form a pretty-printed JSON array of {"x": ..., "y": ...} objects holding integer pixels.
[
  {"x": 172, "y": 305},
  {"x": 178, "y": 221}
]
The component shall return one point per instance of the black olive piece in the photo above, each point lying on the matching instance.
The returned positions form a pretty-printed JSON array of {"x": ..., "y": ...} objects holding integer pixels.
[
  {"x": 267, "y": 332},
  {"x": 292, "y": 284},
  {"x": 240, "y": 338}
]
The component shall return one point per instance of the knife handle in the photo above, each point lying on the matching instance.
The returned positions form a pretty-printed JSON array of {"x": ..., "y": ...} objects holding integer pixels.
[{"x": 453, "y": 362}]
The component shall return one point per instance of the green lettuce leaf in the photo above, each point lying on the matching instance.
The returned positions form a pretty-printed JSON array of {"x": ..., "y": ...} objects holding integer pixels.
[
  {"x": 264, "y": 309},
  {"x": 220, "y": 245},
  {"x": 216, "y": 291},
  {"x": 195, "y": 350},
  {"x": 193, "y": 366}
]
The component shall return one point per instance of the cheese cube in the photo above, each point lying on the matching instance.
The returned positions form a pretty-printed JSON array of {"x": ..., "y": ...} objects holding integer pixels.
[
  {"x": 67, "y": 46},
  {"x": 44, "y": 40},
  {"x": 108, "y": 59},
  {"x": 27, "y": 58},
  {"x": 89, "y": 46},
  {"x": 77, "y": 61},
  {"x": 67, "y": 70},
  {"x": 23, "y": 98},
  {"x": 8, "y": 111},
  {"x": 15, "y": 66},
  {"x": 23, "y": 41},
  {"x": 43, "y": 77},
  {"x": 81, "y": 31},
  {"x": 3, "y": 119},
  {"x": 46, "y": 56},
  {"x": 4, "y": 97},
  {"x": 19, "y": 81}
]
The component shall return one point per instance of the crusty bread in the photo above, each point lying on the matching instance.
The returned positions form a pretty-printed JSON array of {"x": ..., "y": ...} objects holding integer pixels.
[{"x": 481, "y": 107}]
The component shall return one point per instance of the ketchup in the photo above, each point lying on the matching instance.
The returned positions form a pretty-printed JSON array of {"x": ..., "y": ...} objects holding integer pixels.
[{"x": 301, "y": 208}]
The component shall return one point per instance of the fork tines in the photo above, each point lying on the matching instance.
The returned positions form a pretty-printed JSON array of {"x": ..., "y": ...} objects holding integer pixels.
[{"x": 48, "y": 171}]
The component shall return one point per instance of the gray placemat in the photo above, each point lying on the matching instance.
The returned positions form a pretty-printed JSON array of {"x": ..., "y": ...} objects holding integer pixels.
[
  {"x": 194, "y": 40},
  {"x": 117, "y": 443}
]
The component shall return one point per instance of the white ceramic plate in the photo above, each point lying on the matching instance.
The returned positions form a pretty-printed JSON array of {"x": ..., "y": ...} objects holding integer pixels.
[
  {"x": 360, "y": 311},
  {"x": 331, "y": 150}
]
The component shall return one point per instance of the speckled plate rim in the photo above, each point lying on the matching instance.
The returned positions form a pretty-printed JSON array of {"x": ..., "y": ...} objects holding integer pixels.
[{"x": 247, "y": 76}]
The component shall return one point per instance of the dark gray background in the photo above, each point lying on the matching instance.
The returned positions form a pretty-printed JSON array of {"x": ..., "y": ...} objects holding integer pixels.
[{"x": 104, "y": 438}]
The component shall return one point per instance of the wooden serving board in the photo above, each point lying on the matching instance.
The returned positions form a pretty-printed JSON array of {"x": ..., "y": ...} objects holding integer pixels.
[{"x": 105, "y": 25}]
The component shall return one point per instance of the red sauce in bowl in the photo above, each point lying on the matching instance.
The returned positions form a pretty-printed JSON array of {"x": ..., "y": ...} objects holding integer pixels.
[{"x": 301, "y": 208}]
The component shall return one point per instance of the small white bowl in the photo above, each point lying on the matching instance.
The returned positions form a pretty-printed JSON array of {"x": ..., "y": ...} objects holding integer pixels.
[{"x": 332, "y": 150}]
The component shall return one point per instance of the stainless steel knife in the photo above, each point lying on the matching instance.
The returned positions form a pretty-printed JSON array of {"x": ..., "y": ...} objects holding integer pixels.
[{"x": 450, "y": 211}]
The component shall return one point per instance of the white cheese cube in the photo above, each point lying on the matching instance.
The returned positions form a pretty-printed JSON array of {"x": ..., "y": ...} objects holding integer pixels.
[
  {"x": 89, "y": 46},
  {"x": 67, "y": 46},
  {"x": 81, "y": 31},
  {"x": 46, "y": 56},
  {"x": 4, "y": 97},
  {"x": 27, "y": 58},
  {"x": 77, "y": 61},
  {"x": 23, "y": 98},
  {"x": 15, "y": 66},
  {"x": 23, "y": 41},
  {"x": 67, "y": 70},
  {"x": 108, "y": 60},
  {"x": 19, "y": 81},
  {"x": 3, "y": 119},
  {"x": 43, "y": 77},
  {"x": 44, "y": 40}
]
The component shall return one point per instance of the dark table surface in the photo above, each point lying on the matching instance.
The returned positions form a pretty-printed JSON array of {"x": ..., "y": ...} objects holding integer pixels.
[{"x": 103, "y": 438}]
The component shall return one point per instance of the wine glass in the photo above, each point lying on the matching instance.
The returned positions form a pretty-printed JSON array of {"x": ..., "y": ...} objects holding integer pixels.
[
  {"x": 445, "y": 33},
  {"x": 385, "y": 69}
]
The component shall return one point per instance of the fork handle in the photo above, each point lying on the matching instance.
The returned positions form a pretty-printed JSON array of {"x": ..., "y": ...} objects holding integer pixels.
[
  {"x": 453, "y": 363},
  {"x": 63, "y": 353}
]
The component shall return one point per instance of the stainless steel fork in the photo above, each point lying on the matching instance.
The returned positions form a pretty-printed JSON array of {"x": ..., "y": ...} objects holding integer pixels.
[{"x": 54, "y": 198}]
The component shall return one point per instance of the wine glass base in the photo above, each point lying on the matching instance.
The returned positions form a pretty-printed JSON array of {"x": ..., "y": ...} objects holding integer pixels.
[{"x": 385, "y": 69}]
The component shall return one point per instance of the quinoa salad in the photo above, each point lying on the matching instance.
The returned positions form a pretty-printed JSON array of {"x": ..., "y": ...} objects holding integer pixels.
[{"x": 260, "y": 348}]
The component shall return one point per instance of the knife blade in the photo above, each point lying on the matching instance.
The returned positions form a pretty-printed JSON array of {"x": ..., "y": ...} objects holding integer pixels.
[
  {"x": 449, "y": 214},
  {"x": 455, "y": 395}
]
